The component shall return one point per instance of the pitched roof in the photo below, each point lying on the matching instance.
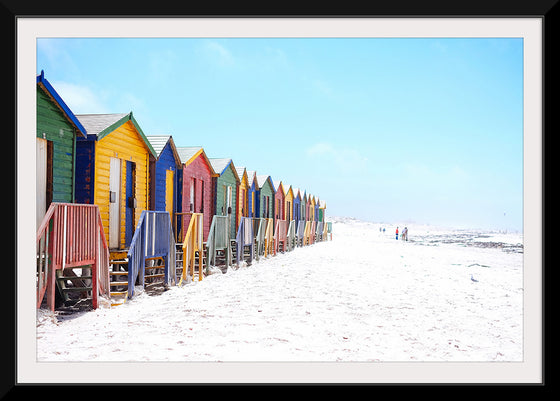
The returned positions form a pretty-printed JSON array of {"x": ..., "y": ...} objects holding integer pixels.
[
  {"x": 240, "y": 172},
  {"x": 277, "y": 184},
  {"x": 287, "y": 189},
  {"x": 261, "y": 179},
  {"x": 220, "y": 166},
  {"x": 251, "y": 174},
  {"x": 158, "y": 143},
  {"x": 101, "y": 125},
  {"x": 53, "y": 94},
  {"x": 188, "y": 154}
]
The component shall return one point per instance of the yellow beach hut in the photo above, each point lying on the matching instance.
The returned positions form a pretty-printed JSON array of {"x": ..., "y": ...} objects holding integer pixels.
[
  {"x": 242, "y": 195},
  {"x": 116, "y": 157}
]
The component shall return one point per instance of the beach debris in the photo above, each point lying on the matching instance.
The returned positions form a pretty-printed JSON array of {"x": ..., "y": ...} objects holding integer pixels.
[{"x": 473, "y": 279}]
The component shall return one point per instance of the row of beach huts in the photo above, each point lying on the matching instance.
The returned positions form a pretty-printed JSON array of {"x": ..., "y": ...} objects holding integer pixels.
[{"x": 120, "y": 211}]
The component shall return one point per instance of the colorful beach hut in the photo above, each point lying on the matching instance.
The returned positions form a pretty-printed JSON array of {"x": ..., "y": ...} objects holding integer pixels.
[
  {"x": 266, "y": 192},
  {"x": 297, "y": 205},
  {"x": 252, "y": 193},
  {"x": 242, "y": 195},
  {"x": 304, "y": 210},
  {"x": 113, "y": 172},
  {"x": 166, "y": 175},
  {"x": 279, "y": 198},
  {"x": 197, "y": 190},
  {"x": 288, "y": 202},
  {"x": 310, "y": 211},
  {"x": 225, "y": 183},
  {"x": 57, "y": 130},
  {"x": 322, "y": 211}
]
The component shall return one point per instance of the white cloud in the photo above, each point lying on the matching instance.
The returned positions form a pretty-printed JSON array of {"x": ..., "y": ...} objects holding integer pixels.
[
  {"x": 342, "y": 158},
  {"x": 80, "y": 98},
  {"x": 322, "y": 87},
  {"x": 218, "y": 53}
]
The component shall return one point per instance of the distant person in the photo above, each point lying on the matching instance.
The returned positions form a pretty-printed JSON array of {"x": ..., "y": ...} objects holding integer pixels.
[
  {"x": 383, "y": 230},
  {"x": 397, "y": 234},
  {"x": 405, "y": 234}
]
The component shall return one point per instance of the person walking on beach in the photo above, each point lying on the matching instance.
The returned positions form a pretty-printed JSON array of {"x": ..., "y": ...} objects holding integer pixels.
[{"x": 397, "y": 234}]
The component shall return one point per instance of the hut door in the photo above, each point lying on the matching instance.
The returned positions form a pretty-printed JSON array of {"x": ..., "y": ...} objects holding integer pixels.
[
  {"x": 229, "y": 208},
  {"x": 114, "y": 202},
  {"x": 41, "y": 180},
  {"x": 169, "y": 192},
  {"x": 193, "y": 183},
  {"x": 130, "y": 202}
]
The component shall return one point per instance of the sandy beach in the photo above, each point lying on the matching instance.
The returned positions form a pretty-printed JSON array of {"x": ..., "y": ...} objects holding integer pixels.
[{"x": 363, "y": 296}]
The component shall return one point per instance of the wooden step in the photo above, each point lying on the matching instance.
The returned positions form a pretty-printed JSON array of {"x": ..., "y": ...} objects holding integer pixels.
[
  {"x": 154, "y": 258},
  {"x": 73, "y": 277},
  {"x": 155, "y": 267},
  {"x": 118, "y": 273},
  {"x": 78, "y": 289},
  {"x": 115, "y": 283},
  {"x": 154, "y": 275}
]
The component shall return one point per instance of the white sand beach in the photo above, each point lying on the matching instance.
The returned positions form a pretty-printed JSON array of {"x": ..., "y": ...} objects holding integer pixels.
[{"x": 363, "y": 296}]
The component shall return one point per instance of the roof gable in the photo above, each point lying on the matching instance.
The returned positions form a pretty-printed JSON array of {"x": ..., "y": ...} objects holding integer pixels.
[
  {"x": 102, "y": 125},
  {"x": 188, "y": 154},
  {"x": 262, "y": 179},
  {"x": 159, "y": 142},
  {"x": 252, "y": 178},
  {"x": 53, "y": 94},
  {"x": 220, "y": 166},
  {"x": 242, "y": 174}
]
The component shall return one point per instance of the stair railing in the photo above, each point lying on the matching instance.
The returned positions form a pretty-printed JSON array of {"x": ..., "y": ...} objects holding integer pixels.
[
  {"x": 193, "y": 243},
  {"x": 153, "y": 237},
  {"x": 259, "y": 230},
  {"x": 291, "y": 235},
  {"x": 280, "y": 235},
  {"x": 244, "y": 238},
  {"x": 269, "y": 247},
  {"x": 218, "y": 239},
  {"x": 319, "y": 231},
  {"x": 300, "y": 232},
  {"x": 312, "y": 231},
  {"x": 71, "y": 235},
  {"x": 306, "y": 233}
]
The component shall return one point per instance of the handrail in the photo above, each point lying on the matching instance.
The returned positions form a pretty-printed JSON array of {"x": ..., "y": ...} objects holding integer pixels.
[
  {"x": 269, "y": 247},
  {"x": 259, "y": 235},
  {"x": 193, "y": 243},
  {"x": 319, "y": 231},
  {"x": 291, "y": 235},
  {"x": 244, "y": 238},
  {"x": 300, "y": 232},
  {"x": 306, "y": 233},
  {"x": 153, "y": 237},
  {"x": 312, "y": 232},
  {"x": 280, "y": 235},
  {"x": 218, "y": 239},
  {"x": 71, "y": 235}
]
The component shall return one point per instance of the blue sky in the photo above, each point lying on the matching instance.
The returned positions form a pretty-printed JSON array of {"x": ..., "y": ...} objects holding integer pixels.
[{"x": 385, "y": 130}]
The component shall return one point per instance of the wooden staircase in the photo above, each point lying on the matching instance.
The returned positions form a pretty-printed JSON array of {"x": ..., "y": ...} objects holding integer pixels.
[
  {"x": 154, "y": 277},
  {"x": 196, "y": 271},
  {"x": 118, "y": 276},
  {"x": 72, "y": 256},
  {"x": 75, "y": 288}
]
